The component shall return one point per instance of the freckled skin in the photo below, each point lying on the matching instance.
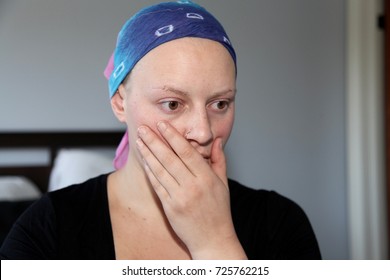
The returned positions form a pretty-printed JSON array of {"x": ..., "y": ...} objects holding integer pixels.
[
  {"x": 178, "y": 104},
  {"x": 200, "y": 68}
]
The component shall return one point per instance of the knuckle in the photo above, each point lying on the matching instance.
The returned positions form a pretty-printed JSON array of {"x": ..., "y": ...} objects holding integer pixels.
[
  {"x": 170, "y": 160},
  {"x": 187, "y": 200},
  {"x": 187, "y": 152},
  {"x": 159, "y": 172}
]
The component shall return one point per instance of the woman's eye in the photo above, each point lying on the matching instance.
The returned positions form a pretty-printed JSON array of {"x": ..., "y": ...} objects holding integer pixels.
[
  {"x": 171, "y": 105},
  {"x": 220, "y": 105}
]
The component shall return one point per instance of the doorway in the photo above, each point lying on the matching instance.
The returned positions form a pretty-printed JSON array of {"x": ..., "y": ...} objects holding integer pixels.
[{"x": 386, "y": 25}]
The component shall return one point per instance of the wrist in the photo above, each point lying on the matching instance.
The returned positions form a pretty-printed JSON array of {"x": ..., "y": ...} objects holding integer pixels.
[{"x": 222, "y": 250}]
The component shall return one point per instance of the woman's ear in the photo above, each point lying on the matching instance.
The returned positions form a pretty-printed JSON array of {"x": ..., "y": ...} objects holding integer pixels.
[{"x": 117, "y": 104}]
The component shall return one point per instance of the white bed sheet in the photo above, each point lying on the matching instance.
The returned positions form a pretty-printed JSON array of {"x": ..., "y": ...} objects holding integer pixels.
[
  {"x": 16, "y": 188},
  {"x": 73, "y": 166}
]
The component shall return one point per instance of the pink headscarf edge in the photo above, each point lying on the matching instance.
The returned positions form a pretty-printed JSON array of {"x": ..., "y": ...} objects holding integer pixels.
[{"x": 122, "y": 150}]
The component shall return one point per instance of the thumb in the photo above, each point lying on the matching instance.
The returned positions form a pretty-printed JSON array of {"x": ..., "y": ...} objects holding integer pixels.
[{"x": 218, "y": 161}]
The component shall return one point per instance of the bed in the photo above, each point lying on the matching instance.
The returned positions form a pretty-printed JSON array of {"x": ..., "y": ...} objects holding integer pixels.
[{"x": 72, "y": 156}]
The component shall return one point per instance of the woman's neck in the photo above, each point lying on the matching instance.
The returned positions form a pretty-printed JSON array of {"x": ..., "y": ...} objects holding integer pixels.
[
  {"x": 130, "y": 186},
  {"x": 141, "y": 229}
]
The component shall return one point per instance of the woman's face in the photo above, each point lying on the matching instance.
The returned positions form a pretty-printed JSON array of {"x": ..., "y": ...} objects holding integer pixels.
[{"x": 188, "y": 82}]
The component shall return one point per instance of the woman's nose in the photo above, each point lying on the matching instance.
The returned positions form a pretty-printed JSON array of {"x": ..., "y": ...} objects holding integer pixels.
[{"x": 199, "y": 129}]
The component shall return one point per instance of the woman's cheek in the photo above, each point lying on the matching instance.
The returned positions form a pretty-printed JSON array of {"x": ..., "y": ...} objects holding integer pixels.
[{"x": 223, "y": 128}]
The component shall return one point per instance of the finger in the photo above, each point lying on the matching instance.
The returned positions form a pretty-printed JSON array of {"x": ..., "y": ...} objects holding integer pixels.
[
  {"x": 218, "y": 160},
  {"x": 192, "y": 159},
  {"x": 160, "y": 190},
  {"x": 161, "y": 177},
  {"x": 162, "y": 159}
]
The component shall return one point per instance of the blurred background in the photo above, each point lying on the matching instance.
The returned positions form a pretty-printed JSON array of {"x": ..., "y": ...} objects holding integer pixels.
[{"x": 294, "y": 124}]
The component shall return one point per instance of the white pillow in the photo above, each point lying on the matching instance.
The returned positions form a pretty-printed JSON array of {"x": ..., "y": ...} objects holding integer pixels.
[
  {"x": 73, "y": 166},
  {"x": 14, "y": 188}
]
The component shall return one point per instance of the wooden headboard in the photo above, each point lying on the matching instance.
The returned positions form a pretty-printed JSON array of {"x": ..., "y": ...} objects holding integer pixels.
[{"x": 52, "y": 141}]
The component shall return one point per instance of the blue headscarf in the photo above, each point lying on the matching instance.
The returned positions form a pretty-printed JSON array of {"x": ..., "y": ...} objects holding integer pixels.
[
  {"x": 158, "y": 24},
  {"x": 151, "y": 27}
]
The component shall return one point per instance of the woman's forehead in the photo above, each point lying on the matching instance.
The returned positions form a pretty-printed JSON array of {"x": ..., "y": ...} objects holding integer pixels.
[{"x": 189, "y": 51}]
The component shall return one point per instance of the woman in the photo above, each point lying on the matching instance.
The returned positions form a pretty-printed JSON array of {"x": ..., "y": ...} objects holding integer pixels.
[{"x": 172, "y": 80}]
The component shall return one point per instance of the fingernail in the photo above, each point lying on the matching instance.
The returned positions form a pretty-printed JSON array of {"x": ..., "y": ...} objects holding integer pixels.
[
  {"x": 146, "y": 166},
  {"x": 139, "y": 143},
  {"x": 220, "y": 144},
  {"x": 162, "y": 126},
  {"x": 141, "y": 130}
]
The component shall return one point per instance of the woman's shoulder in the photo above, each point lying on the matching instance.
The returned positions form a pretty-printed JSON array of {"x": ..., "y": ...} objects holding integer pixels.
[
  {"x": 81, "y": 191},
  {"x": 245, "y": 196},
  {"x": 270, "y": 225},
  {"x": 32, "y": 236},
  {"x": 265, "y": 206},
  {"x": 78, "y": 203},
  {"x": 53, "y": 226}
]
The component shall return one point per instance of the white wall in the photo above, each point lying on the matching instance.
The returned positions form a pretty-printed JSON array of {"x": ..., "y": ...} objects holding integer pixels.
[{"x": 289, "y": 134}]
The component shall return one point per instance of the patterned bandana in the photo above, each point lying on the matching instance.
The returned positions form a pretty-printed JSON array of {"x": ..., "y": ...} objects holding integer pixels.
[{"x": 151, "y": 27}]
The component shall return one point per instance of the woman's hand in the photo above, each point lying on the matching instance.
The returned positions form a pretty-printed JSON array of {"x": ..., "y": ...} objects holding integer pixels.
[{"x": 193, "y": 192}]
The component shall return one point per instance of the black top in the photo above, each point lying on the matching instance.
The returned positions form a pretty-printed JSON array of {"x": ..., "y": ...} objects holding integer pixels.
[{"x": 74, "y": 223}]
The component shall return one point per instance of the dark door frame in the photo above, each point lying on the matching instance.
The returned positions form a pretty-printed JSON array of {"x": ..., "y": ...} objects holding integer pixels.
[{"x": 387, "y": 110}]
